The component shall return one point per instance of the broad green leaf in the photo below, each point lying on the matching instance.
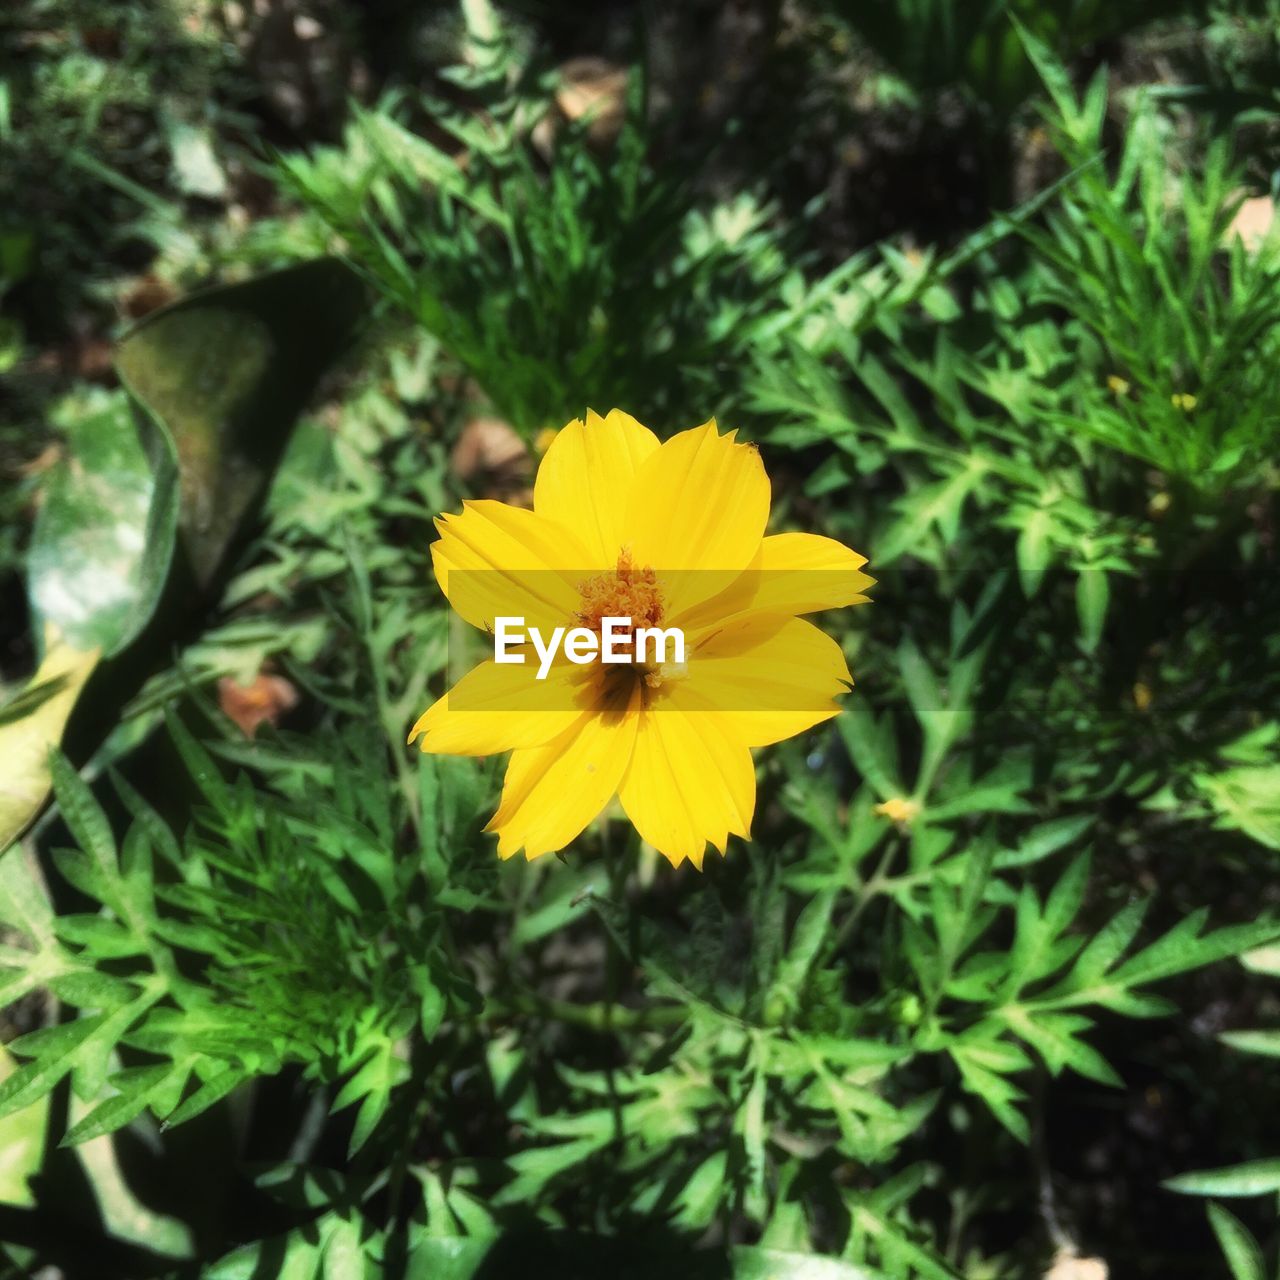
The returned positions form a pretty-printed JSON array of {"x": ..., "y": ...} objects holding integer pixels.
[
  {"x": 227, "y": 372},
  {"x": 21, "y": 1143},
  {"x": 26, "y": 740},
  {"x": 103, "y": 538}
]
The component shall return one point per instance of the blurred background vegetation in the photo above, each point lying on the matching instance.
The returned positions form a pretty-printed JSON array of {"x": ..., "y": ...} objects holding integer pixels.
[{"x": 994, "y": 286}]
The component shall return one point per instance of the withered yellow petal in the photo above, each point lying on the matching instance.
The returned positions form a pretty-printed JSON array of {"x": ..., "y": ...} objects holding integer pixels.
[
  {"x": 689, "y": 783},
  {"x": 585, "y": 480}
]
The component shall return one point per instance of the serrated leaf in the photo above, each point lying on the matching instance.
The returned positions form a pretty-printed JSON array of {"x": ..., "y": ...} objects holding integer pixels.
[
  {"x": 137, "y": 1087},
  {"x": 210, "y": 1092},
  {"x": 85, "y": 818}
]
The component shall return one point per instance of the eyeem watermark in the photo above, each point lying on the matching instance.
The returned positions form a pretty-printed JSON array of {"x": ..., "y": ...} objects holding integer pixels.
[{"x": 617, "y": 641}]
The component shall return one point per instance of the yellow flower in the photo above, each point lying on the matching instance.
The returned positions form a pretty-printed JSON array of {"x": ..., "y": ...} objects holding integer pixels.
[
  {"x": 1119, "y": 387},
  {"x": 1183, "y": 400},
  {"x": 899, "y": 810},
  {"x": 663, "y": 533}
]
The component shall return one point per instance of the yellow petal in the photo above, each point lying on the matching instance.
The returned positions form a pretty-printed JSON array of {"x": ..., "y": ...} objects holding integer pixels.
[
  {"x": 767, "y": 678},
  {"x": 552, "y": 791},
  {"x": 585, "y": 480},
  {"x": 792, "y": 573},
  {"x": 498, "y": 707},
  {"x": 699, "y": 503},
  {"x": 689, "y": 782},
  {"x": 496, "y": 560}
]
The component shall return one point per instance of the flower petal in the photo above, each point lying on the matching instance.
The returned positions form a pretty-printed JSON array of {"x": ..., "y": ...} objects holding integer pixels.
[
  {"x": 700, "y": 502},
  {"x": 498, "y": 707},
  {"x": 585, "y": 480},
  {"x": 792, "y": 573},
  {"x": 552, "y": 791},
  {"x": 767, "y": 678},
  {"x": 689, "y": 782},
  {"x": 496, "y": 560}
]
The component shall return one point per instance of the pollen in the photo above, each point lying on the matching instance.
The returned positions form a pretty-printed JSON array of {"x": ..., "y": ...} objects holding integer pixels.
[{"x": 625, "y": 592}]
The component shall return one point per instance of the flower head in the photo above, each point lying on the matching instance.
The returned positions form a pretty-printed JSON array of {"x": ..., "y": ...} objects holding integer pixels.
[{"x": 662, "y": 535}]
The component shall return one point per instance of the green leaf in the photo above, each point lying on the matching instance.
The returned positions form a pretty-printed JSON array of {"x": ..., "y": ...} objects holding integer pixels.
[
  {"x": 85, "y": 819},
  {"x": 137, "y": 1088},
  {"x": 54, "y": 1051},
  {"x": 695, "y": 1207},
  {"x": 383, "y": 1069},
  {"x": 1093, "y": 594},
  {"x": 1256, "y": 1178},
  {"x": 1238, "y": 1247},
  {"x": 226, "y": 372},
  {"x": 1033, "y": 553},
  {"x": 24, "y": 903},
  {"x": 211, "y": 1091},
  {"x": 537, "y": 1166},
  {"x": 1266, "y": 1043},
  {"x": 103, "y": 537}
]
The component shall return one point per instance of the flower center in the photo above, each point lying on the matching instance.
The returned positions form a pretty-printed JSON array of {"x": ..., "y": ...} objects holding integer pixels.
[{"x": 624, "y": 592}]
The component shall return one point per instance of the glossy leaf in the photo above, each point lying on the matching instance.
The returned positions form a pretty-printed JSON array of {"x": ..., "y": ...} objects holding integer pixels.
[
  {"x": 227, "y": 372},
  {"x": 103, "y": 539}
]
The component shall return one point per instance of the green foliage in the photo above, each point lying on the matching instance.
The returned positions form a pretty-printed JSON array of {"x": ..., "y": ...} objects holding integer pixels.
[
  {"x": 290, "y": 913},
  {"x": 979, "y": 905},
  {"x": 591, "y": 280},
  {"x": 934, "y": 44}
]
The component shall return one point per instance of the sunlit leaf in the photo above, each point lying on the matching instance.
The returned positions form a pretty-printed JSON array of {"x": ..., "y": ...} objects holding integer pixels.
[{"x": 27, "y": 739}]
